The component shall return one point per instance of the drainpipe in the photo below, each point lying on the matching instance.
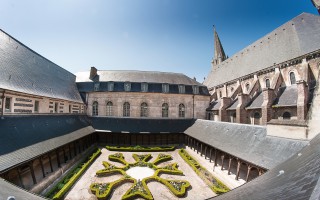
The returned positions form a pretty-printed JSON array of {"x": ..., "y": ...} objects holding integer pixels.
[{"x": 193, "y": 106}]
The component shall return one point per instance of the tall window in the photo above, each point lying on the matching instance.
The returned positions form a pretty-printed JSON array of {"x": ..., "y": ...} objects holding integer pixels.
[
  {"x": 267, "y": 83},
  {"x": 231, "y": 89},
  {"x": 36, "y": 106},
  {"x": 182, "y": 89},
  {"x": 127, "y": 86},
  {"x": 165, "y": 110},
  {"x": 195, "y": 89},
  {"x": 95, "y": 108},
  {"x": 220, "y": 93},
  {"x": 144, "y": 87},
  {"x": 181, "y": 110},
  {"x": 109, "y": 108},
  {"x": 247, "y": 87},
  {"x": 96, "y": 87},
  {"x": 110, "y": 86},
  {"x": 7, "y": 104},
  {"x": 165, "y": 88},
  {"x": 55, "y": 107},
  {"x": 286, "y": 116},
  {"x": 144, "y": 110},
  {"x": 292, "y": 78},
  {"x": 69, "y": 108},
  {"x": 126, "y": 109}
]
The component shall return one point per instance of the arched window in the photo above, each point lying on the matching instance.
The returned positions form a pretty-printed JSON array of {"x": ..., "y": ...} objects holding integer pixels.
[
  {"x": 109, "y": 108},
  {"x": 267, "y": 83},
  {"x": 95, "y": 108},
  {"x": 181, "y": 110},
  {"x": 286, "y": 116},
  {"x": 126, "y": 109},
  {"x": 231, "y": 89},
  {"x": 144, "y": 110},
  {"x": 165, "y": 110},
  {"x": 292, "y": 78},
  {"x": 247, "y": 87},
  {"x": 220, "y": 93}
]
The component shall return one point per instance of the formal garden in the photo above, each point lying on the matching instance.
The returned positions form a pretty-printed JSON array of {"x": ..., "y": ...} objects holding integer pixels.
[{"x": 138, "y": 173}]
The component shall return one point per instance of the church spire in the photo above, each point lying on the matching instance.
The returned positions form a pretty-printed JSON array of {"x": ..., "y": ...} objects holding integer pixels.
[{"x": 219, "y": 55}]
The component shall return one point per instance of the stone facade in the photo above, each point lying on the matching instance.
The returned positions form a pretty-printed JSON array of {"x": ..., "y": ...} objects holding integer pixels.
[{"x": 282, "y": 91}]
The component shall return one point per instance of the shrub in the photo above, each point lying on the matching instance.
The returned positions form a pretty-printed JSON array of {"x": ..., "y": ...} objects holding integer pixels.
[
  {"x": 140, "y": 148},
  {"x": 73, "y": 177},
  {"x": 215, "y": 184}
]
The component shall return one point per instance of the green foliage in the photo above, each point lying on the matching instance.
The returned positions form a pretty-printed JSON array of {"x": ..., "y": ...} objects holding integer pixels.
[
  {"x": 141, "y": 148},
  {"x": 215, "y": 184},
  {"x": 64, "y": 185},
  {"x": 139, "y": 188}
]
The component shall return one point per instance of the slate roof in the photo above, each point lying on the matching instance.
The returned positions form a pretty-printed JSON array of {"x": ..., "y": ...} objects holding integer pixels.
[
  {"x": 287, "y": 96},
  {"x": 215, "y": 105},
  {"x": 296, "y": 178},
  {"x": 25, "y": 137},
  {"x": 297, "y": 37},
  {"x": 8, "y": 189},
  {"x": 24, "y": 70},
  {"x": 234, "y": 104},
  {"x": 137, "y": 77},
  {"x": 256, "y": 102},
  {"x": 247, "y": 142},
  {"x": 141, "y": 125}
]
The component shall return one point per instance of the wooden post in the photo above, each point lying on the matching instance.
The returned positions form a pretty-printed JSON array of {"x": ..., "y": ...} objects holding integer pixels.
[
  {"x": 210, "y": 154},
  {"x": 42, "y": 168},
  {"x": 32, "y": 173},
  {"x": 50, "y": 162},
  {"x": 222, "y": 161}
]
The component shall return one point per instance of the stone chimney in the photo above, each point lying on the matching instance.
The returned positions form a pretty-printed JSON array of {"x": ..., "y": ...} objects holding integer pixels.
[
  {"x": 302, "y": 100},
  {"x": 93, "y": 72}
]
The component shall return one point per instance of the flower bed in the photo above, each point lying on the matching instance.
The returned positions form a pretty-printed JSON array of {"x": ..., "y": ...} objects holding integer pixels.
[
  {"x": 216, "y": 185},
  {"x": 141, "y": 148},
  {"x": 64, "y": 185}
]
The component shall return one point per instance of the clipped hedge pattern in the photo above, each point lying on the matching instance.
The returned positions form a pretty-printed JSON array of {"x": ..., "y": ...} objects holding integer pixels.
[
  {"x": 141, "y": 148},
  {"x": 68, "y": 181},
  {"x": 139, "y": 189},
  {"x": 215, "y": 184}
]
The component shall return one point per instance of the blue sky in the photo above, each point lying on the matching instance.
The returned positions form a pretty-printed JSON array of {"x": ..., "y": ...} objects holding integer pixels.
[{"x": 149, "y": 35}]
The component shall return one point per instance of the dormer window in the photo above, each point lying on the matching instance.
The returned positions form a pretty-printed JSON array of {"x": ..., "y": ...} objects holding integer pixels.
[
  {"x": 182, "y": 89},
  {"x": 127, "y": 86},
  {"x": 195, "y": 89},
  {"x": 110, "y": 86},
  {"x": 96, "y": 87},
  {"x": 165, "y": 87},
  {"x": 144, "y": 87}
]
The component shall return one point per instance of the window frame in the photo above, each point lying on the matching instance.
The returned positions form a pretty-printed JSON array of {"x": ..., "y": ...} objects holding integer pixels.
[
  {"x": 195, "y": 89},
  {"x": 95, "y": 108},
  {"x": 110, "y": 86},
  {"x": 7, "y": 104},
  {"x": 144, "y": 87},
  {"x": 165, "y": 110},
  {"x": 165, "y": 88},
  {"x": 109, "y": 108},
  {"x": 36, "y": 106},
  {"x": 144, "y": 109},
  {"x": 292, "y": 77},
  {"x": 96, "y": 87},
  {"x": 126, "y": 109},
  {"x": 182, "y": 110},
  {"x": 182, "y": 89},
  {"x": 127, "y": 86}
]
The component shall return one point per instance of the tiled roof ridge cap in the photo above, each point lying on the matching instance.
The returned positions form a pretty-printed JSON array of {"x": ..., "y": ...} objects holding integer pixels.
[{"x": 25, "y": 46}]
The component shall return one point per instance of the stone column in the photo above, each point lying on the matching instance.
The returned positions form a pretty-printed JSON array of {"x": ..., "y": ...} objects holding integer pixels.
[
  {"x": 238, "y": 169},
  {"x": 229, "y": 167},
  {"x": 241, "y": 113},
  {"x": 248, "y": 172},
  {"x": 266, "y": 109},
  {"x": 222, "y": 161},
  {"x": 302, "y": 100}
]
